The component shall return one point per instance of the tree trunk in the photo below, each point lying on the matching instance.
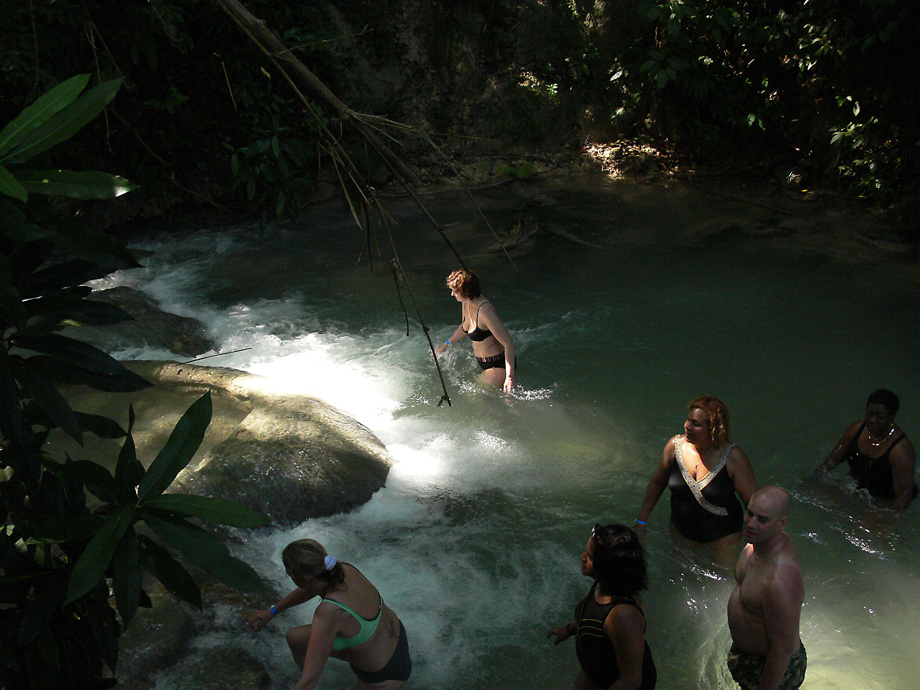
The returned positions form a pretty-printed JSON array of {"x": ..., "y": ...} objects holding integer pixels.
[{"x": 305, "y": 79}]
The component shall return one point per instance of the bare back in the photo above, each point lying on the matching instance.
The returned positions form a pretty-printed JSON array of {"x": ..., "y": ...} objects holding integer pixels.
[{"x": 359, "y": 594}]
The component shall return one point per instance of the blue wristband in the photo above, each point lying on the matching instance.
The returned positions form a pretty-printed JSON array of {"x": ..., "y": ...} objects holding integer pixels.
[
  {"x": 447, "y": 342},
  {"x": 272, "y": 610},
  {"x": 641, "y": 522}
]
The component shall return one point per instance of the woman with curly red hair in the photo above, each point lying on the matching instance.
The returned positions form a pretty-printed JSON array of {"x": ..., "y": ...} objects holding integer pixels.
[
  {"x": 493, "y": 346},
  {"x": 706, "y": 474}
]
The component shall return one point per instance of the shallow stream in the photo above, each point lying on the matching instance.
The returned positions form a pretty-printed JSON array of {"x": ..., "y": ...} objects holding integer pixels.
[{"x": 475, "y": 540}]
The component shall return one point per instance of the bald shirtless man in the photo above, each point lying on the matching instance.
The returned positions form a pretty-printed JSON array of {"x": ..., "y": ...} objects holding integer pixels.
[{"x": 764, "y": 608}]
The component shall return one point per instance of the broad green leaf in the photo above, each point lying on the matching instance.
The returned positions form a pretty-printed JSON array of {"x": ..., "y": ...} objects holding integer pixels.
[
  {"x": 70, "y": 528},
  {"x": 73, "y": 361},
  {"x": 97, "y": 555},
  {"x": 42, "y": 659},
  {"x": 76, "y": 309},
  {"x": 177, "y": 453},
  {"x": 60, "y": 276},
  {"x": 66, "y": 123},
  {"x": 96, "y": 246},
  {"x": 10, "y": 299},
  {"x": 41, "y": 111},
  {"x": 88, "y": 184},
  {"x": 98, "y": 480},
  {"x": 25, "y": 232},
  {"x": 11, "y": 214},
  {"x": 176, "y": 579},
  {"x": 103, "y": 427},
  {"x": 41, "y": 610},
  {"x": 126, "y": 576},
  {"x": 12, "y": 429},
  {"x": 8, "y": 659},
  {"x": 103, "y": 623},
  {"x": 211, "y": 509},
  {"x": 127, "y": 471},
  {"x": 204, "y": 550},
  {"x": 68, "y": 370},
  {"x": 75, "y": 351},
  {"x": 11, "y": 187},
  {"x": 46, "y": 396}
]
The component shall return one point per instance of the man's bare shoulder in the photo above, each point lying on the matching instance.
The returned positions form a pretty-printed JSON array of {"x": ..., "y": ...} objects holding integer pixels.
[{"x": 784, "y": 572}]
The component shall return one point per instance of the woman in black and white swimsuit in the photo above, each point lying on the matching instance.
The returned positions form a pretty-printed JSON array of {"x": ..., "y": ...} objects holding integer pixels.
[{"x": 492, "y": 343}]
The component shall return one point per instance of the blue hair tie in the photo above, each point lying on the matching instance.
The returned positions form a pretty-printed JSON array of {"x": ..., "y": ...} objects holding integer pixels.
[{"x": 329, "y": 562}]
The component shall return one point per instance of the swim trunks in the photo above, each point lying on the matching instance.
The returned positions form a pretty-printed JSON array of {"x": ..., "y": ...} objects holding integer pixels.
[
  {"x": 707, "y": 509},
  {"x": 399, "y": 667},
  {"x": 596, "y": 652},
  {"x": 747, "y": 669}
]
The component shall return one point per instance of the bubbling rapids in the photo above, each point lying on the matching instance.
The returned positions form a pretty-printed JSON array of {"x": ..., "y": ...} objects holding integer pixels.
[{"x": 475, "y": 539}]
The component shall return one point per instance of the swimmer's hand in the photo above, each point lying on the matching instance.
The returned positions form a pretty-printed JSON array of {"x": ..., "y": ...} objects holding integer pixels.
[
  {"x": 561, "y": 633},
  {"x": 259, "y": 619},
  {"x": 509, "y": 384},
  {"x": 440, "y": 348}
]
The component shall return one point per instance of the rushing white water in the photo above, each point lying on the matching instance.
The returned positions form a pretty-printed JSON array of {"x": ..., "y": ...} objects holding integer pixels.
[{"x": 476, "y": 537}]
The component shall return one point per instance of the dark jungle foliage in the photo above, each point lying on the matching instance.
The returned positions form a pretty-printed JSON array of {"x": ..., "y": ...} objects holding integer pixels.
[
  {"x": 61, "y": 561},
  {"x": 204, "y": 117}
]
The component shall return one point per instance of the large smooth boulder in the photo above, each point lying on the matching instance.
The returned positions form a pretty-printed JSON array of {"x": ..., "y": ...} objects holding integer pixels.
[{"x": 290, "y": 457}]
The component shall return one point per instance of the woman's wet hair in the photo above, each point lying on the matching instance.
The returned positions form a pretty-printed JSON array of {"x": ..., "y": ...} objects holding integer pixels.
[
  {"x": 305, "y": 559},
  {"x": 720, "y": 425},
  {"x": 466, "y": 283},
  {"x": 885, "y": 397},
  {"x": 619, "y": 561}
]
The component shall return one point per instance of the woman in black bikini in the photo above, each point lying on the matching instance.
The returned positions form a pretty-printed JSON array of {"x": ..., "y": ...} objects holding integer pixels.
[
  {"x": 881, "y": 457},
  {"x": 610, "y": 621},
  {"x": 492, "y": 343}
]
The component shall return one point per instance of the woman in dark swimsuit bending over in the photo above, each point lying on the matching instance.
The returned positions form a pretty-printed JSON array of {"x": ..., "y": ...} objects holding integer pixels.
[
  {"x": 881, "y": 457},
  {"x": 492, "y": 343},
  {"x": 351, "y": 622},
  {"x": 609, "y": 622},
  {"x": 704, "y": 471}
]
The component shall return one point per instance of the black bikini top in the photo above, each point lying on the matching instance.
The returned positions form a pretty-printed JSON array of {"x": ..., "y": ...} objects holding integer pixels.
[{"x": 478, "y": 334}]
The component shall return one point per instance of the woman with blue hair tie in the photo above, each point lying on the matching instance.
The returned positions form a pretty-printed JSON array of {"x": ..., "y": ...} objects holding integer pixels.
[{"x": 351, "y": 622}]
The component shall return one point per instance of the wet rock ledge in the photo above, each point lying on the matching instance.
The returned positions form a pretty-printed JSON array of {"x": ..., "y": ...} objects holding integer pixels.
[{"x": 291, "y": 457}]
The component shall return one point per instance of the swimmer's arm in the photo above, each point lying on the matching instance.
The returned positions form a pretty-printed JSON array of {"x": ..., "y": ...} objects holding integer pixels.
[
  {"x": 839, "y": 453},
  {"x": 782, "y": 606},
  {"x": 562, "y": 632},
  {"x": 258, "y": 619},
  {"x": 322, "y": 634},
  {"x": 489, "y": 318},
  {"x": 658, "y": 483},
  {"x": 742, "y": 474},
  {"x": 458, "y": 335},
  {"x": 903, "y": 460},
  {"x": 624, "y": 628}
]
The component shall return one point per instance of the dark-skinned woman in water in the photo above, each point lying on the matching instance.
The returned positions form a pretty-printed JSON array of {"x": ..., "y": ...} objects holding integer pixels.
[
  {"x": 706, "y": 474},
  {"x": 881, "y": 458},
  {"x": 351, "y": 622},
  {"x": 609, "y": 622},
  {"x": 493, "y": 346}
]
